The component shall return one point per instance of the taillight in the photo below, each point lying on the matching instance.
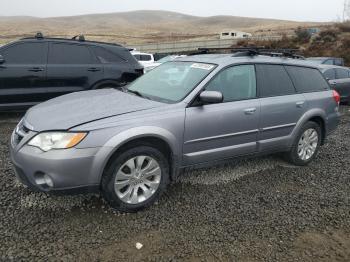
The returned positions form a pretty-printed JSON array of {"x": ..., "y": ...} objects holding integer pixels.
[{"x": 336, "y": 97}]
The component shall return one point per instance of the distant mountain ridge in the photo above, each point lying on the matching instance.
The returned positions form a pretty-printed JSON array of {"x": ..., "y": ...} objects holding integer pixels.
[{"x": 142, "y": 24}]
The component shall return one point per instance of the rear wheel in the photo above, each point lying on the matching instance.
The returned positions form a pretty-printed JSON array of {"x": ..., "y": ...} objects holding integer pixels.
[
  {"x": 135, "y": 178},
  {"x": 306, "y": 145}
]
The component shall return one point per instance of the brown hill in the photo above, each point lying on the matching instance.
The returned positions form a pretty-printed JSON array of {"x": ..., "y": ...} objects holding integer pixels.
[{"x": 136, "y": 26}]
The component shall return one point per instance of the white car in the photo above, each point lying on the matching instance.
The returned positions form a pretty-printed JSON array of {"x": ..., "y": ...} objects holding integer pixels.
[{"x": 145, "y": 59}]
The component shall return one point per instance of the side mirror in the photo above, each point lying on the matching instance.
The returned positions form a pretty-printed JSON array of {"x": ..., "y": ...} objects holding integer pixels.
[
  {"x": 2, "y": 59},
  {"x": 211, "y": 97}
]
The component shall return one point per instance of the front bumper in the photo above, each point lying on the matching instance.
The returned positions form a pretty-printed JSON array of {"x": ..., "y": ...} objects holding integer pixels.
[{"x": 68, "y": 169}]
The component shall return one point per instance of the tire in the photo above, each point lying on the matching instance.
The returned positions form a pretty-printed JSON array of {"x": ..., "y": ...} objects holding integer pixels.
[
  {"x": 119, "y": 173},
  {"x": 293, "y": 155}
]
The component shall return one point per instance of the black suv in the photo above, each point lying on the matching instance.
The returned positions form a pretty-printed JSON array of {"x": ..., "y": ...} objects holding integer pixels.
[{"x": 36, "y": 69}]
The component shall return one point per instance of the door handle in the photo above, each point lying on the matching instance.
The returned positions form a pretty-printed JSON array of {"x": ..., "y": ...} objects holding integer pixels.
[
  {"x": 250, "y": 111},
  {"x": 94, "y": 69},
  {"x": 300, "y": 104},
  {"x": 36, "y": 69}
]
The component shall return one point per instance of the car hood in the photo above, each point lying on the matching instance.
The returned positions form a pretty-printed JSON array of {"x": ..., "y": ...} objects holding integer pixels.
[{"x": 74, "y": 109}]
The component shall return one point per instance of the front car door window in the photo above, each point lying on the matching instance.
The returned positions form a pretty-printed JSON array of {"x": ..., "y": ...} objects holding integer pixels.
[{"x": 235, "y": 83}]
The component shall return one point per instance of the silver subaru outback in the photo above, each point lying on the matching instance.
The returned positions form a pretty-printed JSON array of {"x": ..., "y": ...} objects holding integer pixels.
[{"x": 129, "y": 144}]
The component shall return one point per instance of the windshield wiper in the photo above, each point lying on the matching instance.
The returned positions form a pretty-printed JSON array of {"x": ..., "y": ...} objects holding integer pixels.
[{"x": 136, "y": 93}]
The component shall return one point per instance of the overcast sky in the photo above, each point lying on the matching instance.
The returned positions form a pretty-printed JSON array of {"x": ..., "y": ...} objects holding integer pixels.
[{"x": 301, "y": 10}]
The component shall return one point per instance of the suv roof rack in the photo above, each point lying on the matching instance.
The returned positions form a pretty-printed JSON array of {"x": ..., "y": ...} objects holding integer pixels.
[
  {"x": 39, "y": 35},
  {"x": 252, "y": 51},
  {"x": 80, "y": 38}
]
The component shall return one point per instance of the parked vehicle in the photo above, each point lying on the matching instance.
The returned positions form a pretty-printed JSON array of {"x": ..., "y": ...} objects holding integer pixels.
[
  {"x": 327, "y": 60},
  {"x": 145, "y": 59},
  {"x": 339, "y": 79},
  {"x": 130, "y": 145},
  {"x": 33, "y": 70}
]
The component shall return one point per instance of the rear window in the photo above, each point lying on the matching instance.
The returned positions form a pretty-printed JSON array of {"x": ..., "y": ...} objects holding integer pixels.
[
  {"x": 105, "y": 56},
  {"x": 273, "y": 80},
  {"x": 143, "y": 57},
  {"x": 342, "y": 73},
  {"x": 307, "y": 79}
]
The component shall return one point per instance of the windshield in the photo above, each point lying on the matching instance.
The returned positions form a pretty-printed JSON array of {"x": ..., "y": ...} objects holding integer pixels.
[{"x": 171, "y": 82}]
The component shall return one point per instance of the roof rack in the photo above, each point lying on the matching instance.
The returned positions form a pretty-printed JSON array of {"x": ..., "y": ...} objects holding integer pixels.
[
  {"x": 39, "y": 35},
  {"x": 79, "y": 38},
  {"x": 252, "y": 51}
]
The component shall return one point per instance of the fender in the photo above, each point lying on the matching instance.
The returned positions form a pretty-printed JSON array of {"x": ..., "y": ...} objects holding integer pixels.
[
  {"x": 113, "y": 144},
  {"x": 315, "y": 112}
]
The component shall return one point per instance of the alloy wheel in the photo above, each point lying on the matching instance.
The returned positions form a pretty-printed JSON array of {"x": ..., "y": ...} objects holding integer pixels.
[{"x": 137, "y": 179}]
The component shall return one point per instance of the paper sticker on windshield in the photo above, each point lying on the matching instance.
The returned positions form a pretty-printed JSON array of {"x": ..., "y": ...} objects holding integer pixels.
[{"x": 202, "y": 66}]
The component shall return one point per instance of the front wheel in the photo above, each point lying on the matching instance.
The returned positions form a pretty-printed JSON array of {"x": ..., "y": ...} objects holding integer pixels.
[
  {"x": 306, "y": 145},
  {"x": 135, "y": 179}
]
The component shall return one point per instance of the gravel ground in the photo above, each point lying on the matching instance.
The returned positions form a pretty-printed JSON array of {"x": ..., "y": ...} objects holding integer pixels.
[{"x": 254, "y": 210}]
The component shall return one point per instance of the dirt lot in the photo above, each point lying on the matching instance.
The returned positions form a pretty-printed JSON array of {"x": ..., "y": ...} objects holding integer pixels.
[{"x": 253, "y": 210}]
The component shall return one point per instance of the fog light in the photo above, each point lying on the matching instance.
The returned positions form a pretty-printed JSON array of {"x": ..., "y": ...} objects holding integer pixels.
[
  {"x": 43, "y": 180},
  {"x": 48, "y": 180}
]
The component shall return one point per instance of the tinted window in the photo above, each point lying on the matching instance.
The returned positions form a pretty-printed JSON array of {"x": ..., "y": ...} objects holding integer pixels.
[
  {"x": 338, "y": 62},
  {"x": 105, "y": 56},
  {"x": 69, "y": 54},
  {"x": 143, "y": 57},
  {"x": 26, "y": 53},
  {"x": 329, "y": 74},
  {"x": 235, "y": 83},
  {"x": 307, "y": 79},
  {"x": 342, "y": 73},
  {"x": 273, "y": 80}
]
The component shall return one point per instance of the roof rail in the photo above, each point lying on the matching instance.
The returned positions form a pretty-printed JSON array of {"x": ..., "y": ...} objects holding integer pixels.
[
  {"x": 252, "y": 51},
  {"x": 79, "y": 38},
  {"x": 39, "y": 35}
]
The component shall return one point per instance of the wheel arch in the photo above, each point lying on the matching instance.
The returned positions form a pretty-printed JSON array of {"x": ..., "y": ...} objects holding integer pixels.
[
  {"x": 159, "y": 138},
  {"x": 316, "y": 115}
]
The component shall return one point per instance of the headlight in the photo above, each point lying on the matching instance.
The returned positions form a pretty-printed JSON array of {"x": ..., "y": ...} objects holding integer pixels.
[{"x": 56, "y": 140}]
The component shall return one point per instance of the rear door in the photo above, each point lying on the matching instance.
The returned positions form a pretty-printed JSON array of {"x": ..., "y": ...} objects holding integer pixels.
[
  {"x": 224, "y": 130},
  {"x": 281, "y": 106},
  {"x": 71, "y": 67},
  {"x": 23, "y": 74}
]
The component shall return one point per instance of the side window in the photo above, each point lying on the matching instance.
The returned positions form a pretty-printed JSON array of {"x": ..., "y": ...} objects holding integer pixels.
[
  {"x": 26, "y": 53},
  {"x": 328, "y": 62},
  {"x": 342, "y": 73},
  {"x": 138, "y": 57},
  {"x": 144, "y": 58},
  {"x": 338, "y": 62},
  {"x": 330, "y": 74},
  {"x": 235, "y": 83},
  {"x": 105, "y": 56},
  {"x": 273, "y": 80},
  {"x": 69, "y": 54},
  {"x": 307, "y": 79}
]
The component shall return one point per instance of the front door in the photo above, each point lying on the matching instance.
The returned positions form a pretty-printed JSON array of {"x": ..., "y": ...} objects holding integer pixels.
[
  {"x": 23, "y": 74},
  {"x": 228, "y": 129}
]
